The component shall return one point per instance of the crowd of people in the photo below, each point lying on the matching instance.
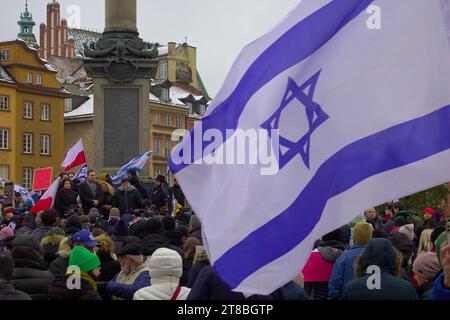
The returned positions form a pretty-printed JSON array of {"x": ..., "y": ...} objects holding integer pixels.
[{"x": 106, "y": 242}]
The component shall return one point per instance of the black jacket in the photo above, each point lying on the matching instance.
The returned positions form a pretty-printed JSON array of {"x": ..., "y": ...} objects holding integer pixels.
[
  {"x": 58, "y": 267},
  {"x": 195, "y": 270},
  {"x": 108, "y": 266},
  {"x": 155, "y": 241},
  {"x": 178, "y": 195},
  {"x": 127, "y": 200},
  {"x": 7, "y": 292},
  {"x": 108, "y": 199},
  {"x": 159, "y": 197},
  {"x": 59, "y": 291},
  {"x": 175, "y": 238},
  {"x": 65, "y": 201},
  {"x": 135, "y": 182},
  {"x": 87, "y": 197}
]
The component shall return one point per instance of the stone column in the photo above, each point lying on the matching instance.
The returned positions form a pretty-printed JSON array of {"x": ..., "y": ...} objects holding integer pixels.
[{"x": 120, "y": 15}]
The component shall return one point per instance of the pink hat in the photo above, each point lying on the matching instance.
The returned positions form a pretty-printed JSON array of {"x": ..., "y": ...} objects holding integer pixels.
[
  {"x": 427, "y": 265},
  {"x": 6, "y": 233}
]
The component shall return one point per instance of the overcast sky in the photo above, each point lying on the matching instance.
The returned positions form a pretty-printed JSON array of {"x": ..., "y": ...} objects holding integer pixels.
[{"x": 218, "y": 28}]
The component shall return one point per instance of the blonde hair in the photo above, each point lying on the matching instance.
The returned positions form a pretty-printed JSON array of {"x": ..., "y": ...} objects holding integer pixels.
[
  {"x": 105, "y": 244},
  {"x": 189, "y": 247},
  {"x": 425, "y": 243},
  {"x": 108, "y": 186},
  {"x": 64, "y": 249}
]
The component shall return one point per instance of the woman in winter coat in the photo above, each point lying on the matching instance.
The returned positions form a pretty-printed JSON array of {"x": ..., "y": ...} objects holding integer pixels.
[
  {"x": 108, "y": 198},
  {"x": 105, "y": 251},
  {"x": 66, "y": 199},
  {"x": 188, "y": 258},
  {"x": 30, "y": 274},
  {"x": 201, "y": 261},
  {"x": 166, "y": 268}
]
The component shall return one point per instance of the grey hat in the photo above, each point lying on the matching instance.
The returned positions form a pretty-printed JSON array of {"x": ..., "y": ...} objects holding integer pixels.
[{"x": 195, "y": 221}]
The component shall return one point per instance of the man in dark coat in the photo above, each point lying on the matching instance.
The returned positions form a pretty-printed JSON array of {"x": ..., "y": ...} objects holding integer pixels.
[
  {"x": 195, "y": 228},
  {"x": 380, "y": 253},
  {"x": 127, "y": 198},
  {"x": 135, "y": 182},
  {"x": 7, "y": 291},
  {"x": 159, "y": 195},
  {"x": 30, "y": 274},
  {"x": 155, "y": 238},
  {"x": 91, "y": 193},
  {"x": 46, "y": 221},
  {"x": 178, "y": 193}
]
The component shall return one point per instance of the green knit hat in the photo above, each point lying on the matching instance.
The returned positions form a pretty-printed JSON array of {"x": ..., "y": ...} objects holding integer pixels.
[
  {"x": 439, "y": 243},
  {"x": 84, "y": 259}
]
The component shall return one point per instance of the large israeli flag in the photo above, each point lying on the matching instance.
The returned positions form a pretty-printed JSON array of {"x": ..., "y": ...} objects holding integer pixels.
[
  {"x": 136, "y": 163},
  {"x": 362, "y": 115}
]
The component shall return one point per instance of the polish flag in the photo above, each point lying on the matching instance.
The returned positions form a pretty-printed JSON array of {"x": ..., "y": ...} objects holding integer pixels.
[
  {"x": 75, "y": 157},
  {"x": 47, "y": 200}
]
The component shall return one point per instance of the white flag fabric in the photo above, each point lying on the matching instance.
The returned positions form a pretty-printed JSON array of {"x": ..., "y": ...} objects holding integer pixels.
[
  {"x": 75, "y": 157},
  {"x": 362, "y": 117},
  {"x": 48, "y": 198},
  {"x": 82, "y": 173},
  {"x": 136, "y": 163},
  {"x": 26, "y": 195}
]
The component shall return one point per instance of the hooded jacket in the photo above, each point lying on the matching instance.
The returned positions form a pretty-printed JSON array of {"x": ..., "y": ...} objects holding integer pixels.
[
  {"x": 381, "y": 253},
  {"x": 166, "y": 268}
]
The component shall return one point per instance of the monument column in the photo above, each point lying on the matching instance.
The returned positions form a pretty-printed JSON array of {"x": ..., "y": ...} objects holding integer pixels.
[{"x": 121, "y": 65}]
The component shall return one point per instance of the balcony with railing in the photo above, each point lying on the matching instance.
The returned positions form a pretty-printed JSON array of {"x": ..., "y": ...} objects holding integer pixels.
[{"x": 184, "y": 76}]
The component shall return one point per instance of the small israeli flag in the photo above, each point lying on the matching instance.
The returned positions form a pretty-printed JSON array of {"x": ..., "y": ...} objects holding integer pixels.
[{"x": 136, "y": 163}]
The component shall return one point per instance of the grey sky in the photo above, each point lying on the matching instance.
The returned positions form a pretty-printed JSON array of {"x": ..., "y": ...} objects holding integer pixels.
[{"x": 218, "y": 28}]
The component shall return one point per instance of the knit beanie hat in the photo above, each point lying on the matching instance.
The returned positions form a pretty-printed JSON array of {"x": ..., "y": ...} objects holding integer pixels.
[
  {"x": 84, "y": 259},
  {"x": 362, "y": 233},
  {"x": 6, "y": 233},
  {"x": 407, "y": 229},
  {"x": 429, "y": 211},
  {"x": 427, "y": 265}
]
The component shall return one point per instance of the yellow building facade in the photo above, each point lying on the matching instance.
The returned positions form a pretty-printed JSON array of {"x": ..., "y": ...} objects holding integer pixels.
[{"x": 31, "y": 114}]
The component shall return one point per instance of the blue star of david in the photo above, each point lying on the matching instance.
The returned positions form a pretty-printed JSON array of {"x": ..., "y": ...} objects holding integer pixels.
[{"x": 315, "y": 115}]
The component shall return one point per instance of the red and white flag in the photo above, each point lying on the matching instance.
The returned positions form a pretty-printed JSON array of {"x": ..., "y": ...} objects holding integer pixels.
[
  {"x": 47, "y": 200},
  {"x": 75, "y": 157}
]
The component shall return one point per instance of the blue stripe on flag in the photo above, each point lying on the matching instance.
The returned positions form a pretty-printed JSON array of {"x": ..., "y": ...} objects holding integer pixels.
[
  {"x": 412, "y": 141},
  {"x": 310, "y": 34}
]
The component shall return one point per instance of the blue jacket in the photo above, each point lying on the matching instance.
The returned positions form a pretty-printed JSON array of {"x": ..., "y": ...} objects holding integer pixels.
[
  {"x": 126, "y": 291},
  {"x": 343, "y": 271},
  {"x": 439, "y": 291}
]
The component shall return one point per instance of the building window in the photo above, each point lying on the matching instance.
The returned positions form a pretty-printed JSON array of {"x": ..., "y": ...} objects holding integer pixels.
[
  {"x": 4, "y": 172},
  {"x": 27, "y": 177},
  {"x": 157, "y": 146},
  {"x": 45, "y": 144},
  {"x": 27, "y": 143},
  {"x": 4, "y": 103},
  {"x": 178, "y": 121},
  {"x": 163, "y": 71},
  {"x": 189, "y": 105},
  {"x": 4, "y": 54},
  {"x": 168, "y": 119},
  {"x": 45, "y": 112},
  {"x": 165, "y": 94},
  {"x": 202, "y": 109},
  {"x": 168, "y": 147},
  {"x": 38, "y": 79},
  {"x": 4, "y": 139},
  {"x": 29, "y": 78},
  {"x": 158, "y": 118},
  {"x": 28, "y": 110},
  {"x": 157, "y": 172},
  {"x": 68, "y": 105}
]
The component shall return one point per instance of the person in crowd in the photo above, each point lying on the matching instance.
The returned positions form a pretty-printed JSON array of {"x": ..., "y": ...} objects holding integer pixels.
[
  {"x": 195, "y": 228},
  {"x": 437, "y": 231},
  {"x": 178, "y": 193},
  {"x": 408, "y": 230},
  {"x": 6, "y": 240},
  {"x": 426, "y": 267},
  {"x": 29, "y": 225},
  {"x": 9, "y": 217},
  {"x": 50, "y": 244},
  {"x": 18, "y": 202},
  {"x": 175, "y": 237},
  {"x": 85, "y": 222},
  {"x": 108, "y": 199},
  {"x": 425, "y": 244},
  {"x": 85, "y": 239},
  {"x": 84, "y": 263},
  {"x": 405, "y": 246},
  {"x": 73, "y": 225},
  {"x": 105, "y": 177},
  {"x": 134, "y": 274},
  {"x": 343, "y": 269},
  {"x": 380, "y": 253},
  {"x": 110, "y": 222},
  {"x": 7, "y": 290},
  {"x": 165, "y": 268},
  {"x": 390, "y": 213},
  {"x": 58, "y": 267},
  {"x": 94, "y": 218},
  {"x": 105, "y": 251},
  {"x": 127, "y": 198},
  {"x": 119, "y": 233},
  {"x": 30, "y": 274},
  {"x": 318, "y": 268},
  {"x": 66, "y": 199},
  {"x": 47, "y": 221},
  {"x": 373, "y": 218},
  {"x": 155, "y": 238},
  {"x": 184, "y": 232},
  {"x": 441, "y": 286},
  {"x": 159, "y": 195},
  {"x": 429, "y": 217},
  {"x": 90, "y": 192},
  {"x": 188, "y": 258},
  {"x": 135, "y": 182},
  {"x": 200, "y": 261}
]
